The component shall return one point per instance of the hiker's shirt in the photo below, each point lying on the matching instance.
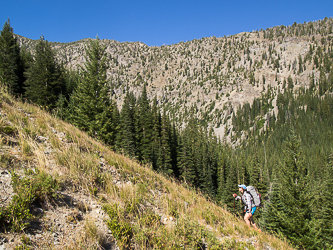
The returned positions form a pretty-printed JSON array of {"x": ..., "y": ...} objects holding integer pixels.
[{"x": 247, "y": 200}]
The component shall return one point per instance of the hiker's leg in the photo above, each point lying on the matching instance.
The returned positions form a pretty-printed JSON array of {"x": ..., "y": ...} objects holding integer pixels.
[
  {"x": 247, "y": 218},
  {"x": 251, "y": 218},
  {"x": 252, "y": 222}
]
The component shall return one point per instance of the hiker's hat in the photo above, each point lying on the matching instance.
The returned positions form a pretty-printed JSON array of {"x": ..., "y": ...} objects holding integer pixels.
[{"x": 242, "y": 186}]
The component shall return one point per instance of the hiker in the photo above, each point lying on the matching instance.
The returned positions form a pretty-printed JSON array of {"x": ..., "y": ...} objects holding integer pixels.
[{"x": 249, "y": 206}]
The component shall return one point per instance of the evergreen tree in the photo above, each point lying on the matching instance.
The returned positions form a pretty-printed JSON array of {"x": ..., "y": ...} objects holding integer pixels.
[
  {"x": 272, "y": 209},
  {"x": 201, "y": 161},
  {"x": 116, "y": 122},
  {"x": 187, "y": 165},
  {"x": 72, "y": 81},
  {"x": 164, "y": 155},
  {"x": 45, "y": 79},
  {"x": 288, "y": 211},
  {"x": 145, "y": 129},
  {"x": 256, "y": 175},
  {"x": 231, "y": 187},
  {"x": 255, "y": 171},
  {"x": 126, "y": 141},
  {"x": 321, "y": 225},
  {"x": 213, "y": 152},
  {"x": 156, "y": 124},
  {"x": 61, "y": 110},
  {"x": 174, "y": 150},
  {"x": 11, "y": 64},
  {"x": 221, "y": 175},
  {"x": 290, "y": 83},
  {"x": 92, "y": 108}
]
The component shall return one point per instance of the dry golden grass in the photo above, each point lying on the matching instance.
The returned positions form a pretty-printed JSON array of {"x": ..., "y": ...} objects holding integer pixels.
[{"x": 143, "y": 197}]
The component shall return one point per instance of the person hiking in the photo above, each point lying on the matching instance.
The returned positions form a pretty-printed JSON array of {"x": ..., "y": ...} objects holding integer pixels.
[{"x": 249, "y": 206}]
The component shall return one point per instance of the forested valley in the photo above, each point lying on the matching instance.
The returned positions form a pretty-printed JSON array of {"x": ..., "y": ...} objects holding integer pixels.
[{"x": 287, "y": 155}]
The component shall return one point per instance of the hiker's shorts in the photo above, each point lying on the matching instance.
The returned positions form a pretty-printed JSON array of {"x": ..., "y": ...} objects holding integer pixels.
[{"x": 253, "y": 210}]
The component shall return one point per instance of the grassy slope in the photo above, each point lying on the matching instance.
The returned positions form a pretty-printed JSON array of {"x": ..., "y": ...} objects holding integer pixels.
[{"x": 147, "y": 209}]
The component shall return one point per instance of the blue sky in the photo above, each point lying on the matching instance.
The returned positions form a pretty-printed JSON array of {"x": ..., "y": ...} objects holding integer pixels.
[{"x": 153, "y": 22}]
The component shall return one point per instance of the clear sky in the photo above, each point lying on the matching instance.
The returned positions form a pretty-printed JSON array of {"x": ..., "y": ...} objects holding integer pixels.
[{"x": 154, "y": 22}]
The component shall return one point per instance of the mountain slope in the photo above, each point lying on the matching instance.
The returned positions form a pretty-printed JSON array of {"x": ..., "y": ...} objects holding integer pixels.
[
  {"x": 92, "y": 190},
  {"x": 215, "y": 75}
]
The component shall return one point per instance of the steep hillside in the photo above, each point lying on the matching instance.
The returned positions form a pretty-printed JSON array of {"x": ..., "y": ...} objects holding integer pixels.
[
  {"x": 215, "y": 75},
  {"x": 62, "y": 189}
]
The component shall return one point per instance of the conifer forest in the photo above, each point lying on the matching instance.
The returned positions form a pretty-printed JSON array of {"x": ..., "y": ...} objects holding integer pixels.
[{"x": 280, "y": 141}]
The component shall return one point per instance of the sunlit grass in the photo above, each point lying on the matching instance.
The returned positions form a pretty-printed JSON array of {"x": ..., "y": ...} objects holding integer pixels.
[{"x": 141, "y": 198}]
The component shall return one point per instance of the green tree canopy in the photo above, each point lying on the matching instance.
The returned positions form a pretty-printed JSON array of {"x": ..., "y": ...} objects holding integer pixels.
[
  {"x": 92, "y": 108},
  {"x": 11, "y": 66},
  {"x": 45, "y": 79}
]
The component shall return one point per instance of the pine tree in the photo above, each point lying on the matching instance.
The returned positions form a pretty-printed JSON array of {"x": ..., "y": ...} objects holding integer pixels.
[
  {"x": 187, "y": 165},
  {"x": 231, "y": 187},
  {"x": 288, "y": 212},
  {"x": 61, "y": 110},
  {"x": 164, "y": 154},
  {"x": 174, "y": 150},
  {"x": 215, "y": 149},
  {"x": 255, "y": 170},
  {"x": 256, "y": 175},
  {"x": 221, "y": 178},
  {"x": 126, "y": 141},
  {"x": 11, "y": 64},
  {"x": 92, "y": 108},
  {"x": 116, "y": 122},
  {"x": 321, "y": 225},
  {"x": 272, "y": 209},
  {"x": 156, "y": 124},
  {"x": 72, "y": 80},
  {"x": 201, "y": 161},
  {"x": 145, "y": 129},
  {"x": 45, "y": 79}
]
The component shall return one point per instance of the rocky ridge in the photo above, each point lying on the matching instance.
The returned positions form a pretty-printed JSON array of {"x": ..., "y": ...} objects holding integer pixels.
[{"x": 211, "y": 74}]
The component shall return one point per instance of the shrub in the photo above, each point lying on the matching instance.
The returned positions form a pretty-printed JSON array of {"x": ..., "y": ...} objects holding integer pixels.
[
  {"x": 189, "y": 234},
  {"x": 17, "y": 213},
  {"x": 91, "y": 229},
  {"x": 8, "y": 130},
  {"x": 35, "y": 187},
  {"x": 5, "y": 159},
  {"x": 120, "y": 229},
  {"x": 44, "y": 187},
  {"x": 210, "y": 217},
  {"x": 261, "y": 123},
  {"x": 25, "y": 240}
]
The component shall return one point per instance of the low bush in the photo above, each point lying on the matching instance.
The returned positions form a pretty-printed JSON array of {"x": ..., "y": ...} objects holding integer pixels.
[
  {"x": 34, "y": 187},
  {"x": 26, "y": 243},
  {"x": 5, "y": 159},
  {"x": 121, "y": 229},
  {"x": 8, "y": 130}
]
